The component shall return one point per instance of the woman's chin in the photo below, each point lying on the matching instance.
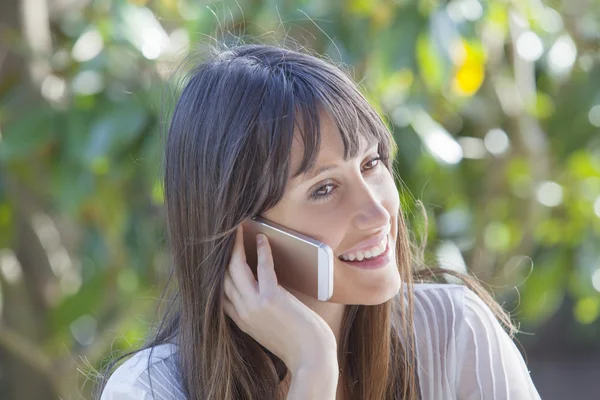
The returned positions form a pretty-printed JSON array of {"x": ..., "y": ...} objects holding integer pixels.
[
  {"x": 366, "y": 292},
  {"x": 382, "y": 296}
]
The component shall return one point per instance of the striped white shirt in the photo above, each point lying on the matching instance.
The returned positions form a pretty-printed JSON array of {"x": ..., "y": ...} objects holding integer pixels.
[{"x": 463, "y": 353}]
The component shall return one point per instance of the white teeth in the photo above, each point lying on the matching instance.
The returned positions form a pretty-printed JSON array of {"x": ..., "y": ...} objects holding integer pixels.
[{"x": 373, "y": 252}]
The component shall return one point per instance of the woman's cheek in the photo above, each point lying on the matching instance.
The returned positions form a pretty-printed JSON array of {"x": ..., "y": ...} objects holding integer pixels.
[
  {"x": 394, "y": 198},
  {"x": 390, "y": 198}
]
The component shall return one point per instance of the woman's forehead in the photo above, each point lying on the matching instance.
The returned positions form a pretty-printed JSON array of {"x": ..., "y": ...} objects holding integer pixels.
[
  {"x": 331, "y": 142},
  {"x": 330, "y": 151}
]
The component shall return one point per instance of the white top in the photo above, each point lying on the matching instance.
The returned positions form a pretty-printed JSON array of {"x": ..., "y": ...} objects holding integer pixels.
[{"x": 462, "y": 350}]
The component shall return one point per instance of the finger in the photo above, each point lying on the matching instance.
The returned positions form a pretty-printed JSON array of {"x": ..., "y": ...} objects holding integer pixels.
[
  {"x": 244, "y": 281},
  {"x": 231, "y": 312},
  {"x": 239, "y": 252},
  {"x": 241, "y": 274},
  {"x": 267, "y": 279},
  {"x": 231, "y": 291}
]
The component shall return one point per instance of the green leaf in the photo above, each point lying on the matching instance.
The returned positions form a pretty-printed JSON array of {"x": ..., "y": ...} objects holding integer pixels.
[
  {"x": 86, "y": 301},
  {"x": 115, "y": 129},
  {"x": 25, "y": 136},
  {"x": 430, "y": 63},
  {"x": 543, "y": 292},
  {"x": 587, "y": 310},
  {"x": 6, "y": 224}
]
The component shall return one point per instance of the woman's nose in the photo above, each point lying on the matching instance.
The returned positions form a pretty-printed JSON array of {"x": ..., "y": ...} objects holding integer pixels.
[{"x": 370, "y": 212}]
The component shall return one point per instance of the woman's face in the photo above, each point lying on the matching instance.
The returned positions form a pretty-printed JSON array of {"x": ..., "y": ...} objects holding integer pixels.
[{"x": 348, "y": 205}]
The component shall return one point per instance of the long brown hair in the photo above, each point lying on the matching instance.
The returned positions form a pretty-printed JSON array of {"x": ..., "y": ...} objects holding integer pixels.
[{"x": 226, "y": 159}]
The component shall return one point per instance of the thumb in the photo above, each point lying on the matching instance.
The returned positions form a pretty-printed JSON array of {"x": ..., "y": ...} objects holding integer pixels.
[{"x": 267, "y": 279}]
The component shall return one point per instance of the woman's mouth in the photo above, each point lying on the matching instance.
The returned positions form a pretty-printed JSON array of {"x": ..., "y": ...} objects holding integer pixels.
[
  {"x": 376, "y": 257},
  {"x": 371, "y": 253}
]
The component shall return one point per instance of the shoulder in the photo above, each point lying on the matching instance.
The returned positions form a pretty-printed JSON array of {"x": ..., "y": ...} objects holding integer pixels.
[
  {"x": 151, "y": 373},
  {"x": 450, "y": 309},
  {"x": 444, "y": 315},
  {"x": 446, "y": 291},
  {"x": 439, "y": 311},
  {"x": 462, "y": 348},
  {"x": 440, "y": 302}
]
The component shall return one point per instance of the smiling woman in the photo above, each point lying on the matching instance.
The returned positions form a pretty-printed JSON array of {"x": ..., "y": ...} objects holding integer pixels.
[
  {"x": 262, "y": 130},
  {"x": 350, "y": 202}
]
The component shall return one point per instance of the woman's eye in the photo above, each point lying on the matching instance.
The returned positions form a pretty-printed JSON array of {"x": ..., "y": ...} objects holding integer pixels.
[
  {"x": 374, "y": 162},
  {"x": 322, "y": 192}
]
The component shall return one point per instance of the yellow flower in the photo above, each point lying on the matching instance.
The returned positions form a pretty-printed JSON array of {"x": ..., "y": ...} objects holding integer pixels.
[{"x": 469, "y": 71}]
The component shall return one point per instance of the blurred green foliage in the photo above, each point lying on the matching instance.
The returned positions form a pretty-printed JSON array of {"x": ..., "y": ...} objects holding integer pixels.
[{"x": 495, "y": 106}]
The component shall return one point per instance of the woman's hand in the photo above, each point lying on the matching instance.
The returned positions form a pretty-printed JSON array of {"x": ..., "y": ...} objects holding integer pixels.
[{"x": 273, "y": 316}]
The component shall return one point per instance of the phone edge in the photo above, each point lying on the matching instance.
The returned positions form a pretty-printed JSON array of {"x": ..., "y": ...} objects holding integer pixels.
[
  {"x": 325, "y": 272},
  {"x": 287, "y": 231}
]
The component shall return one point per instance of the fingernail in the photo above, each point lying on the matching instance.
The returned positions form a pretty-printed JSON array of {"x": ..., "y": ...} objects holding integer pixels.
[{"x": 260, "y": 240}]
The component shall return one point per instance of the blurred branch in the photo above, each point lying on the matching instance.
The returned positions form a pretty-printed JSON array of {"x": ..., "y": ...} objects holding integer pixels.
[
  {"x": 10, "y": 67},
  {"x": 40, "y": 280},
  {"x": 3, "y": 56},
  {"x": 530, "y": 134},
  {"x": 35, "y": 24},
  {"x": 573, "y": 26},
  {"x": 26, "y": 351},
  {"x": 530, "y": 140}
]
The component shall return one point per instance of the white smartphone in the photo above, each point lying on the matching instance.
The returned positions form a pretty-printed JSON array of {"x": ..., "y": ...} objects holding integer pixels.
[{"x": 301, "y": 263}]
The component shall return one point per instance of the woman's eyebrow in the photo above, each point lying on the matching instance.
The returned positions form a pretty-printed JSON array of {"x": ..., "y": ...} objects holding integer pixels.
[
  {"x": 314, "y": 172},
  {"x": 320, "y": 170}
]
